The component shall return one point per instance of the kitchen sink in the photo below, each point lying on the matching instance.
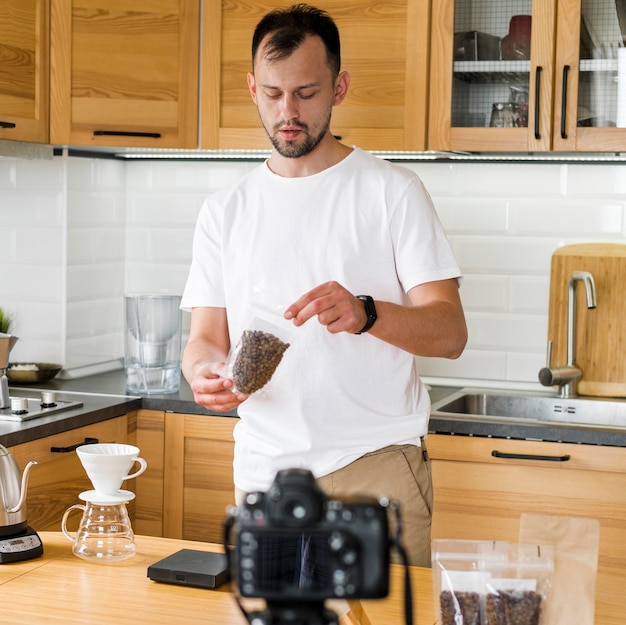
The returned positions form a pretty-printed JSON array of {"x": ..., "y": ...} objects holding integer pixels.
[{"x": 528, "y": 406}]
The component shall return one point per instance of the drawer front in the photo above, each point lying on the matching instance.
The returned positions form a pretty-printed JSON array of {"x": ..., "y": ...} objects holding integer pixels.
[{"x": 563, "y": 456}]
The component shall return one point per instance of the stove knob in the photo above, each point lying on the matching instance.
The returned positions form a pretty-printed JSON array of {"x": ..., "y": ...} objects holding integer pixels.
[
  {"x": 48, "y": 399},
  {"x": 19, "y": 405}
]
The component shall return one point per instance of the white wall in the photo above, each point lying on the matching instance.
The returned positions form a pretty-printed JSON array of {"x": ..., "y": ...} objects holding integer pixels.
[{"x": 78, "y": 233}]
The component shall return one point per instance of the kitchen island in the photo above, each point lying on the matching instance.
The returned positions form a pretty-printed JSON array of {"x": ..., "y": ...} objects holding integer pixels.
[
  {"x": 61, "y": 588},
  {"x": 487, "y": 471}
]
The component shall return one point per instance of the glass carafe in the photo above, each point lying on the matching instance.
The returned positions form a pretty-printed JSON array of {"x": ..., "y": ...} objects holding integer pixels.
[{"x": 104, "y": 533}]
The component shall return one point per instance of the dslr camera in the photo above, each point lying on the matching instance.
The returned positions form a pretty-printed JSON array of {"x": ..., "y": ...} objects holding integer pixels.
[{"x": 294, "y": 544}]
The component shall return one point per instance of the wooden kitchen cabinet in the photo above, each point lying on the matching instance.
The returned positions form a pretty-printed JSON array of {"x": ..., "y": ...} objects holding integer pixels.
[
  {"x": 24, "y": 70},
  {"x": 384, "y": 48},
  {"x": 481, "y": 497},
  {"x": 58, "y": 478},
  {"x": 558, "y": 90},
  {"x": 124, "y": 73},
  {"x": 188, "y": 485}
]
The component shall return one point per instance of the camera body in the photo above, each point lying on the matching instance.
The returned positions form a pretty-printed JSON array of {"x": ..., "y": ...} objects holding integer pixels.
[{"x": 295, "y": 544}]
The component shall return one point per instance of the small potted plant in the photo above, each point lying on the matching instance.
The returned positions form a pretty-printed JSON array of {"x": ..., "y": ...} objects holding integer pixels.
[{"x": 6, "y": 321}]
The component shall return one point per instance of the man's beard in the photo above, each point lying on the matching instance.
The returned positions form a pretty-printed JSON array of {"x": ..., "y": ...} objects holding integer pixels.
[{"x": 291, "y": 149}]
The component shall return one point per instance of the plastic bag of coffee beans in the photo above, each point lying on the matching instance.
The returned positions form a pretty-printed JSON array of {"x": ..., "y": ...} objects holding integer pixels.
[
  {"x": 491, "y": 582},
  {"x": 261, "y": 346},
  {"x": 257, "y": 356}
]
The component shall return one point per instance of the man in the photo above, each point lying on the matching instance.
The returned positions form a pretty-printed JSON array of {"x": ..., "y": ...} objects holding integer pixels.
[{"x": 316, "y": 226}]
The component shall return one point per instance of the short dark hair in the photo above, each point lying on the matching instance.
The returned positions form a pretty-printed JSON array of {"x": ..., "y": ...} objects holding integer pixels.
[{"x": 290, "y": 27}]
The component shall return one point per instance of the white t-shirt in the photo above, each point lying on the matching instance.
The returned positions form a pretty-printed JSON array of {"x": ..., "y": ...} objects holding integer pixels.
[{"x": 365, "y": 223}]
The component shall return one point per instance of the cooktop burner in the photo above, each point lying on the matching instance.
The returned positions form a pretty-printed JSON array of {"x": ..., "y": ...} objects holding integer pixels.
[{"x": 25, "y": 408}]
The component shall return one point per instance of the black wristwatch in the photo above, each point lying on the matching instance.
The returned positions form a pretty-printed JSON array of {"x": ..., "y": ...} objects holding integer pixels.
[{"x": 370, "y": 311}]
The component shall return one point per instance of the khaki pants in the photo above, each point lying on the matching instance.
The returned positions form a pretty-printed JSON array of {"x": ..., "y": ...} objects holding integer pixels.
[{"x": 398, "y": 472}]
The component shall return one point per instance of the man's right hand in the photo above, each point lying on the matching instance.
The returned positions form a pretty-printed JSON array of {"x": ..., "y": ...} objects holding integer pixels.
[{"x": 212, "y": 389}]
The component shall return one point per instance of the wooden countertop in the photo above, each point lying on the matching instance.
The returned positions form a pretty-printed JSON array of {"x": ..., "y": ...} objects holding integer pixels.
[{"x": 61, "y": 588}]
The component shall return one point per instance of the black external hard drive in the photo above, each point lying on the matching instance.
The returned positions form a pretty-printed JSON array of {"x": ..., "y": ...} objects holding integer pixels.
[{"x": 189, "y": 567}]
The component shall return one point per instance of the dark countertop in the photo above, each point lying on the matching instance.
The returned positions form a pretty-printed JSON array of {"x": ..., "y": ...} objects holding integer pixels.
[
  {"x": 95, "y": 408},
  {"x": 104, "y": 397}
]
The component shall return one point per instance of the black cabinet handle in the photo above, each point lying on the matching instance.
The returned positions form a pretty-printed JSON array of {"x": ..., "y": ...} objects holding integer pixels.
[
  {"x": 537, "y": 100},
  {"x": 566, "y": 69},
  {"x": 65, "y": 450},
  {"x": 7, "y": 124},
  {"x": 123, "y": 133},
  {"x": 501, "y": 454}
]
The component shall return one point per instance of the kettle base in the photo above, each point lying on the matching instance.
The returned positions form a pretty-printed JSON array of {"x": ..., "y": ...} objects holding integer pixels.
[{"x": 24, "y": 545}]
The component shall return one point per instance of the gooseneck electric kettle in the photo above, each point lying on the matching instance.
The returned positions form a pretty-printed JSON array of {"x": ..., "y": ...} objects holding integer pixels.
[
  {"x": 12, "y": 494},
  {"x": 17, "y": 540}
]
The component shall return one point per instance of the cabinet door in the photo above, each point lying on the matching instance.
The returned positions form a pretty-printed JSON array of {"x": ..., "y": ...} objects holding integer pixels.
[
  {"x": 198, "y": 476},
  {"x": 384, "y": 48},
  {"x": 491, "y": 75},
  {"x": 481, "y": 496},
  {"x": 24, "y": 76},
  {"x": 58, "y": 478},
  {"x": 125, "y": 73},
  {"x": 590, "y": 77},
  {"x": 150, "y": 439}
]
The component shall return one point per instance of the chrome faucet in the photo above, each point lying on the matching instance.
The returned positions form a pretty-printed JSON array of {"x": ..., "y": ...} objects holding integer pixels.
[{"x": 567, "y": 377}]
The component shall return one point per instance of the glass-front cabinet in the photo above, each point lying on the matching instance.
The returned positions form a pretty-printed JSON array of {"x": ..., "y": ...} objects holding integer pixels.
[{"x": 528, "y": 75}]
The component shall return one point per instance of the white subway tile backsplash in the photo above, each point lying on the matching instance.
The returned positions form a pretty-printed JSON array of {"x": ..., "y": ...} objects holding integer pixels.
[
  {"x": 101, "y": 245},
  {"x": 95, "y": 174},
  {"x": 505, "y": 255},
  {"x": 44, "y": 320},
  {"x": 79, "y": 233},
  {"x": 27, "y": 208},
  {"x": 522, "y": 366},
  {"x": 142, "y": 277},
  {"x": 40, "y": 174},
  {"x": 94, "y": 318},
  {"x": 515, "y": 331},
  {"x": 595, "y": 181},
  {"x": 529, "y": 294},
  {"x": 33, "y": 283},
  {"x": 171, "y": 246},
  {"x": 96, "y": 208},
  {"x": 473, "y": 215},
  {"x": 8, "y": 175},
  {"x": 94, "y": 349},
  {"x": 567, "y": 218},
  {"x": 476, "y": 364},
  {"x": 39, "y": 245},
  {"x": 94, "y": 281},
  {"x": 485, "y": 293},
  {"x": 508, "y": 180},
  {"x": 8, "y": 249},
  {"x": 164, "y": 208},
  {"x": 137, "y": 243},
  {"x": 439, "y": 178}
]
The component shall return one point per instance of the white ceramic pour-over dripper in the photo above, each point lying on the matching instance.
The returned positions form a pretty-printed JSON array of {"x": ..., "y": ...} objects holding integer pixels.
[{"x": 109, "y": 464}]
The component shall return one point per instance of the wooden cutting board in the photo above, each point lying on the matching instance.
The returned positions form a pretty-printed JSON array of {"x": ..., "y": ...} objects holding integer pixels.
[{"x": 601, "y": 333}]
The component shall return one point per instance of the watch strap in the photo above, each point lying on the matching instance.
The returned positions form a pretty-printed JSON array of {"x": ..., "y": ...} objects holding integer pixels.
[{"x": 370, "y": 311}]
